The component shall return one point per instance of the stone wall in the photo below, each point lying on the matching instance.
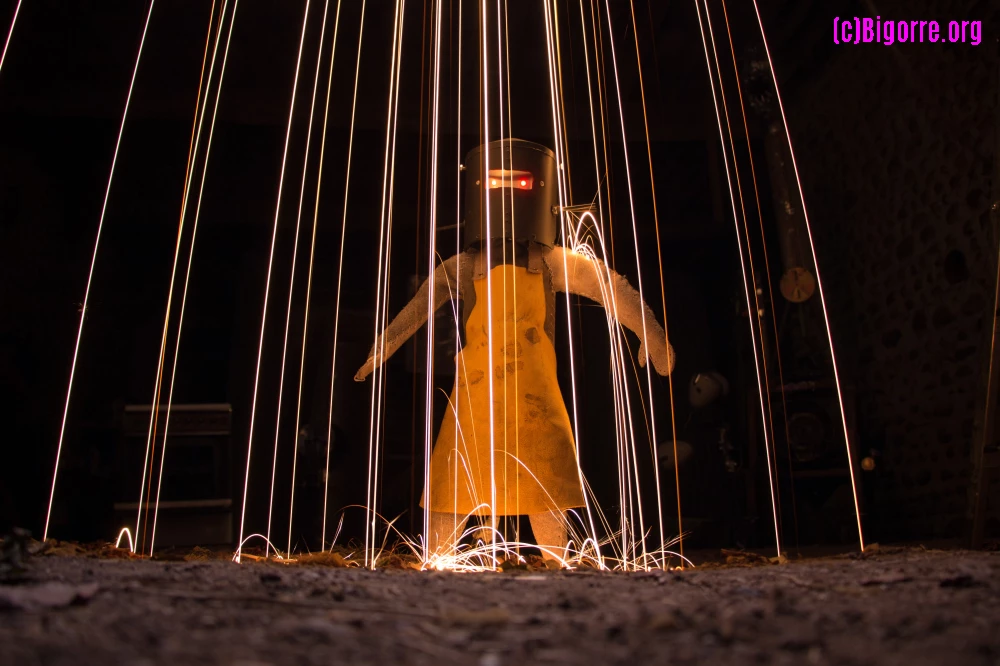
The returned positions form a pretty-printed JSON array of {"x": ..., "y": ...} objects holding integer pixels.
[{"x": 896, "y": 148}]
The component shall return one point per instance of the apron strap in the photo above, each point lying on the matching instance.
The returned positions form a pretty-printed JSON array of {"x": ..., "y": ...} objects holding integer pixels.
[
  {"x": 479, "y": 266},
  {"x": 534, "y": 258}
]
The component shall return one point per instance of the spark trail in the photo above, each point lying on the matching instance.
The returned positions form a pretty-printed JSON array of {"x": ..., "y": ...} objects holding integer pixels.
[
  {"x": 90, "y": 273},
  {"x": 10, "y": 33},
  {"x": 270, "y": 266},
  {"x": 819, "y": 280}
]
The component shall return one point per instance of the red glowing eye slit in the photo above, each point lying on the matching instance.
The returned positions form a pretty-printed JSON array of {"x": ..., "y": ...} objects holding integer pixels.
[{"x": 507, "y": 178}]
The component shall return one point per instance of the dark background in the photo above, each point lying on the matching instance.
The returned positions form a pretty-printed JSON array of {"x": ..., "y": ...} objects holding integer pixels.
[{"x": 896, "y": 148}]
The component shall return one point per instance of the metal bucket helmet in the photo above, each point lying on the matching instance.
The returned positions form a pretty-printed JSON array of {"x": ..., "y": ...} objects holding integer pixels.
[{"x": 515, "y": 182}]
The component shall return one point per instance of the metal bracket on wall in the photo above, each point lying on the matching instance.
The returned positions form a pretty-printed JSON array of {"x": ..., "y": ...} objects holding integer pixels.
[{"x": 581, "y": 208}]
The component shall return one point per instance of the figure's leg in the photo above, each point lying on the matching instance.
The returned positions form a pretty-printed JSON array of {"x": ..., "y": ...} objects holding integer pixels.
[
  {"x": 485, "y": 533},
  {"x": 445, "y": 531},
  {"x": 550, "y": 533}
]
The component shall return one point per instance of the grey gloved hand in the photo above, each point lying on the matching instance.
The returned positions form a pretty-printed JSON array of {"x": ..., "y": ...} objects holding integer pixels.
[{"x": 663, "y": 359}]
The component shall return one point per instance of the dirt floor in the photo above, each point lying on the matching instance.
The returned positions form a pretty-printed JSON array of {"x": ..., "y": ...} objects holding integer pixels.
[{"x": 892, "y": 606}]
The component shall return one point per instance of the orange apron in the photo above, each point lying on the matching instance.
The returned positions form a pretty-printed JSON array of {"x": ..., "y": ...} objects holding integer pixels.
[{"x": 534, "y": 465}]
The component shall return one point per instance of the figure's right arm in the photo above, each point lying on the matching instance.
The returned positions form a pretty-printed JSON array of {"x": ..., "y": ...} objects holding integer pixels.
[
  {"x": 414, "y": 315},
  {"x": 588, "y": 276}
]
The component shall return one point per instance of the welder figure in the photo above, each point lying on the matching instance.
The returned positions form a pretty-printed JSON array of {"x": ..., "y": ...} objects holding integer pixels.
[{"x": 508, "y": 300}]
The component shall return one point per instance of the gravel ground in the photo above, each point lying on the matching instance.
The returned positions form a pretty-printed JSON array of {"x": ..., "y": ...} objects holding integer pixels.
[{"x": 903, "y": 607}]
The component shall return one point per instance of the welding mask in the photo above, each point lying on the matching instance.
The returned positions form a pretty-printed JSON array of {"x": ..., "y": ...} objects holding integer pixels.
[{"x": 518, "y": 188}]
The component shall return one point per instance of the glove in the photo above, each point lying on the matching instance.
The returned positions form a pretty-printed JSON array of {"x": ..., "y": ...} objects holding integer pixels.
[
  {"x": 367, "y": 369},
  {"x": 663, "y": 362}
]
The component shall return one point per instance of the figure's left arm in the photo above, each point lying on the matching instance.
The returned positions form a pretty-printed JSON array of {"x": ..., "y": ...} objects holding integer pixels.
[{"x": 590, "y": 277}]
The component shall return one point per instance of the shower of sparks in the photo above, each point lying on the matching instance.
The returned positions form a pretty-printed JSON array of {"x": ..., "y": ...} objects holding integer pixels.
[
  {"x": 487, "y": 550},
  {"x": 510, "y": 133},
  {"x": 622, "y": 411},
  {"x": 270, "y": 266},
  {"x": 187, "y": 275},
  {"x": 382, "y": 281},
  {"x": 768, "y": 281},
  {"x": 584, "y": 246},
  {"x": 819, "y": 281},
  {"x": 90, "y": 273},
  {"x": 312, "y": 247},
  {"x": 458, "y": 280},
  {"x": 600, "y": 212},
  {"x": 124, "y": 533},
  {"x": 593, "y": 541},
  {"x": 638, "y": 266},
  {"x": 195, "y": 139},
  {"x": 291, "y": 289},
  {"x": 482, "y": 557},
  {"x": 501, "y": 41},
  {"x": 10, "y": 33},
  {"x": 291, "y": 292},
  {"x": 431, "y": 270},
  {"x": 237, "y": 556},
  {"x": 489, "y": 280},
  {"x": 663, "y": 292},
  {"x": 340, "y": 271},
  {"x": 751, "y": 311},
  {"x": 765, "y": 391},
  {"x": 555, "y": 99}
]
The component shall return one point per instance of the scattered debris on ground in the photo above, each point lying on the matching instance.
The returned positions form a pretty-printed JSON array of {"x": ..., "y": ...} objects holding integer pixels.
[{"x": 85, "y": 604}]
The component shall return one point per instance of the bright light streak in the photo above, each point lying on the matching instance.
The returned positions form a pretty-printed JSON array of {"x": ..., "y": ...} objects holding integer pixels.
[
  {"x": 576, "y": 240},
  {"x": 187, "y": 277},
  {"x": 663, "y": 295},
  {"x": 770, "y": 291},
  {"x": 388, "y": 248},
  {"x": 93, "y": 262},
  {"x": 431, "y": 269},
  {"x": 597, "y": 181},
  {"x": 10, "y": 33},
  {"x": 489, "y": 278},
  {"x": 383, "y": 259},
  {"x": 192, "y": 154},
  {"x": 484, "y": 556},
  {"x": 125, "y": 533},
  {"x": 557, "y": 63},
  {"x": 631, "y": 450},
  {"x": 765, "y": 392},
  {"x": 487, "y": 557},
  {"x": 270, "y": 266},
  {"x": 528, "y": 182},
  {"x": 458, "y": 278},
  {"x": 638, "y": 268},
  {"x": 340, "y": 269},
  {"x": 256, "y": 535},
  {"x": 557, "y": 133},
  {"x": 751, "y": 312},
  {"x": 598, "y": 59},
  {"x": 625, "y": 430},
  {"x": 312, "y": 247},
  {"x": 503, "y": 226},
  {"x": 819, "y": 281},
  {"x": 288, "y": 312}
]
